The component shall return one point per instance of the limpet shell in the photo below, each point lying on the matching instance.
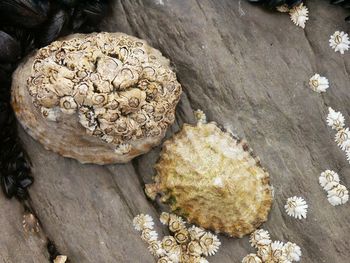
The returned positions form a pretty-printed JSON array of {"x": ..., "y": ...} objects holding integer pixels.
[
  {"x": 89, "y": 97},
  {"x": 212, "y": 179}
]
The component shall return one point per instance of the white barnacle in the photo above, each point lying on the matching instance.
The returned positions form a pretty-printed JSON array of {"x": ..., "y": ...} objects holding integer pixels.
[
  {"x": 168, "y": 242},
  {"x": 149, "y": 235},
  {"x": 51, "y": 114},
  {"x": 164, "y": 218},
  {"x": 196, "y": 232},
  {"x": 209, "y": 243},
  {"x": 291, "y": 252},
  {"x": 142, "y": 222},
  {"x": 68, "y": 105},
  {"x": 194, "y": 248},
  {"x": 174, "y": 254},
  {"x": 200, "y": 116},
  {"x": 299, "y": 15},
  {"x": 260, "y": 237},
  {"x": 176, "y": 223},
  {"x": 318, "y": 83},
  {"x": 335, "y": 119},
  {"x": 251, "y": 258},
  {"x": 328, "y": 179},
  {"x": 123, "y": 148},
  {"x": 296, "y": 207},
  {"x": 338, "y": 195},
  {"x": 164, "y": 259},
  {"x": 276, "y": 250},
  {"x": 341, "y": 138},
  {"x": 283, "y": 8},
  {"x": 60, "y": 259},
  {"x": 155, "y": 247},
  {"x": 339, "y": 41}
]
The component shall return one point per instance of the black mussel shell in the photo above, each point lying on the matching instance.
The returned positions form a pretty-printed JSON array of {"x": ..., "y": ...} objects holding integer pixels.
[
  {"x": 275, "y": 3},
  {"x": 10, "y": 49},
  {"x": 26, "y": 13},
  {"x": 52, "y": 29},
  {"x": 9, "y": 185}
]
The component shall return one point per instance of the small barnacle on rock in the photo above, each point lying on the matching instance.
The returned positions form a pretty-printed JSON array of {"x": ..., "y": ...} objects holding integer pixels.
[
  {"x": 123, "y": 148},
  {"x": 251, "y": 258},
  {"x": 335, "y": 119},
  {"x": 291, "y": 252},
  {"x": 296, "y": 207},
  {"x": 212, "y": 179},
  {"x": 299, "y": 15},
  {"x": 339, "y": 41},
  {"x": 168, "y": 242},
  {"x": 328, "y": 179},
  {"x": 142, "y": 222},
  {"x": 86, "y": 95},
  {"x": 260, "y": 237},
  {"x": 164, "y": 218},
  {"x": 60, "y": 259},
  {"x": 30, "y": 223},
  {"x": 149, "y": 235},
  {"x": 283, "y": 8},
  {"x": 318, "y": 83},
  {"x": 156, "y": 249},
  {"x": 209, "y": 244},
  {"x": 342, "y": 138},
  {"x": 338, "y": 195}
]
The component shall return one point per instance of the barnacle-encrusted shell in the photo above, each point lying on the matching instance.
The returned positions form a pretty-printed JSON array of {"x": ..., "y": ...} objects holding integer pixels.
[
  {"x": 99, "y": 98},
  {"x": 212, "y": 179}
]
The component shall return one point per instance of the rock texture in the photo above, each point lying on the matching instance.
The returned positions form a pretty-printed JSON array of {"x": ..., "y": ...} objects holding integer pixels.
[{"x": 248, "y": 70}]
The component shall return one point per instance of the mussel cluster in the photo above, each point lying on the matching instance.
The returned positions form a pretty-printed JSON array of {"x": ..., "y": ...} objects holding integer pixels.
[
  {"x": 24, "y": 26},
  {"x": 273, "y": 4}
]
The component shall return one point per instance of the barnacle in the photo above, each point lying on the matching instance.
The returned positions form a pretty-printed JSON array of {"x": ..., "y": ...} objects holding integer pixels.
[
  {"x": 260, "y": 237},
  {"x": 149, "y": 235},
  {"x": 291, "y": 252},
  {"x": 251, "y": 258},
  {"x": 164, "y": 259},
  {"x": 342, "y": 137},
  {"x": 271, "y": 252},
  {"x": 318, "y": 83},
  {"x": 30, "y": 223},
  {"x": 209, "y": 244},
  {"x": 212, "y": 179},
  {"x": 99, "y": 98},
  {"x": 156, "y": 249},
  {"x": 299, "y": 15},
  {"x": 335, "y": 119},
  {"x": 339, "y": 41},
  {"x": 338, "y": 195},
  {"x": 60, "y": 259},
  {"x": 296, "y": 207},
  {"x": 142, "y": 222},
  {"x": 328, "y": 179},
  {"x": 168, "y": 243},
  {"x": 196, "y": 232},
  {"x": 164, "y": 218}
]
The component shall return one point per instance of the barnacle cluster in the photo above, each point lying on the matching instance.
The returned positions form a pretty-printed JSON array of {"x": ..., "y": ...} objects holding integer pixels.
[
  {"x": 296, "y": 207},
  {"x": 335, "y": 120},
  {"x": 271, "y": 251},
  {"x": 120, "y": 91},
  {"x": 212, "y": 179},
  {"x": 337, "y": 193},
  {"x": 318, "y": 83},
  {"x": 184, "y": 245},
  {"x": 340, "y": 42}
]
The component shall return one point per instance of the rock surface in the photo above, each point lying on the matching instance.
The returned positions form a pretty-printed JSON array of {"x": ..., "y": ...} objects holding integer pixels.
[{"x": 248, "y": 69}]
